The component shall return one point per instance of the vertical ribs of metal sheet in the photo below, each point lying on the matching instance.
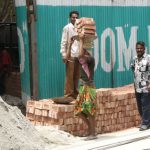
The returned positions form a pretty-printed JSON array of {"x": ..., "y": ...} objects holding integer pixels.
[
  {"x": 21, "y": 14},
  {"x": 50, "y": 22}
]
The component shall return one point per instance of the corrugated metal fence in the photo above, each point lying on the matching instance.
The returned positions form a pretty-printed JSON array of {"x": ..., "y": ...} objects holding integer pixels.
[
  {"x": 21, "y": 14},
  {"x": 119, "y": 25}
]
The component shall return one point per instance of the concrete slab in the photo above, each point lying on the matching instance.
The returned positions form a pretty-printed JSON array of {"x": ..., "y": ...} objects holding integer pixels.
[{"x": 109, "y": 140}]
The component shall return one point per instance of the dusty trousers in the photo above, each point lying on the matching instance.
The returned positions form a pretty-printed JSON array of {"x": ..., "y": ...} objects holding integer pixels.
[{"x": 72, "y": 78}]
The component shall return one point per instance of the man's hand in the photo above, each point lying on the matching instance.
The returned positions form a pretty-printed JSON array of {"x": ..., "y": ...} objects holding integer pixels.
[
  {"x": 71, "y": 40},
  {"x": 148, "y": 87},
  {"x": 64, "y": 60}
]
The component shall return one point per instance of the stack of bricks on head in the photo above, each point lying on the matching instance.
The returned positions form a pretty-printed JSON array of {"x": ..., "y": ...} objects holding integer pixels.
[{"x": 86, "y": 27}]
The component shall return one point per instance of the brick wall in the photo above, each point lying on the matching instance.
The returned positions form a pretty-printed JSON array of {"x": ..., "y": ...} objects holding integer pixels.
[
  {"x": 116, "y": 110},
  {"x": 13, "y": 85}
]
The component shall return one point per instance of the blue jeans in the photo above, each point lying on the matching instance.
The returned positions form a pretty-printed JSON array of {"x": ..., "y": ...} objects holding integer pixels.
[{"x": 143, "y": 103}]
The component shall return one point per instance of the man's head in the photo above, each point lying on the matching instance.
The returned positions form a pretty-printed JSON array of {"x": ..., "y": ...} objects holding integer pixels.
[
  {"x": 140, "y": 48},
  {"x": 73, "y": 16}
]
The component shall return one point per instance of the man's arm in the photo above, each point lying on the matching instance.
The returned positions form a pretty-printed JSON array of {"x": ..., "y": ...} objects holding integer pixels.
[
  {"x": 148, "y": 68},
  {"x": 132, "y": 64},
  {"x": 64, "y": 43}
]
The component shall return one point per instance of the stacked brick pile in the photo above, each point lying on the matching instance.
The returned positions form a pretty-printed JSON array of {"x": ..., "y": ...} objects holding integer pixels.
[{"x": 116, "y": 110}]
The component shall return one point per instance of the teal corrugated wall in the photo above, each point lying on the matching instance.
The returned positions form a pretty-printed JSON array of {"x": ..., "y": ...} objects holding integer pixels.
[
  {"x": 118, "y": 29},
  {"x": 23, "y": 42}
]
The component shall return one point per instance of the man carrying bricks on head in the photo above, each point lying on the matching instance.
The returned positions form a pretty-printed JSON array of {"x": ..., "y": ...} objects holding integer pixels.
[{"x": 141, "y": 69}]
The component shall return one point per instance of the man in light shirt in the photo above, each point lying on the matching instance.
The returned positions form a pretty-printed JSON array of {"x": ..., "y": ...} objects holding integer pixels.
[
  {"x": 141, "y": 69},
  {"x": 70, "y": 55}
]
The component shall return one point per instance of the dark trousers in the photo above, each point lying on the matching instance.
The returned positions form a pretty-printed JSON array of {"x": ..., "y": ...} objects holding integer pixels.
[
  {"x": 143, "y": 103},
  {"x": 72, "y": 78}
]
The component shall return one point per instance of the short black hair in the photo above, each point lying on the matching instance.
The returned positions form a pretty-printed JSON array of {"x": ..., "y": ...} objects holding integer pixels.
[
  {"x": 73, "y": 12},
  {"x": 140, "y": 43}
]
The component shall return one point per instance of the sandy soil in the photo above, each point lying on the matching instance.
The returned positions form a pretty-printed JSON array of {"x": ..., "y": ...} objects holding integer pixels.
[{"x": 17, "y": 133}]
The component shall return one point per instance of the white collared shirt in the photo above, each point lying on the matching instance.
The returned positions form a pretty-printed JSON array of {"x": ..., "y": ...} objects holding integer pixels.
[{"x": 68, "y": 32}]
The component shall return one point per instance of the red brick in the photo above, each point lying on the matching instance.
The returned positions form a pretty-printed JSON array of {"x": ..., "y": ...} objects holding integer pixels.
[
  {"x": 45, "y": 113},
  {"x": 46, "y": 106},
  {"x": 38, "y": 118},
  {"x": 30, "y": 110},
  {"x": 38, "y": 123},
  {"x": 39, "y": 104},
  {"x": 30, "y": 116},
  {"x": 38, "y": 112}
]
